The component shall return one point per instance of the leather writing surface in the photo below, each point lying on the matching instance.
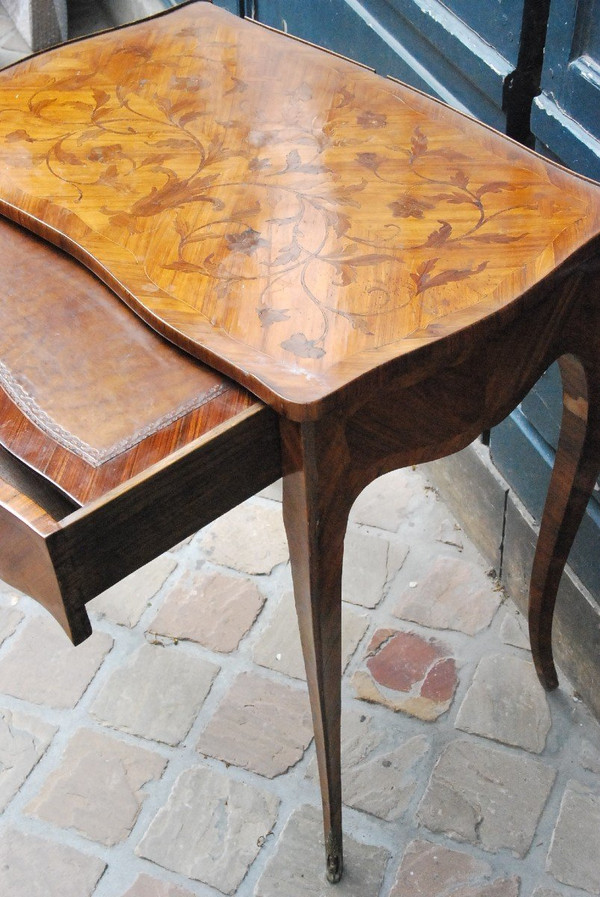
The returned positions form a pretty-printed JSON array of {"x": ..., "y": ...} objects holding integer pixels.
[
  {"x": 79, "y": 364},
  {"x": 89, "y": 394}
]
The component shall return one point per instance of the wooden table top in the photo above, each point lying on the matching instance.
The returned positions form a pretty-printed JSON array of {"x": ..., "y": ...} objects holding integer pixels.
[{"x": 283, "y": 214}]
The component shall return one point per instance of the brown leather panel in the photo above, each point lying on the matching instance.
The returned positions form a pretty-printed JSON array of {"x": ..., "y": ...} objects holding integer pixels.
[
  {"x": 61, "y": 327},
  {"x": 91, "y": 395}
]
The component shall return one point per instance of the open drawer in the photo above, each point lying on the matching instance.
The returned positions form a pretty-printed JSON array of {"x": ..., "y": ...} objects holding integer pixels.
[{"x": 114, "y": 444}]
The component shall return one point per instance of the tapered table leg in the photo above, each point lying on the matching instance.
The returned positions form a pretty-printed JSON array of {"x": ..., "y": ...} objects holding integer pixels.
[
  {"x": 576, "y": 469},
  {"x": 316, "y": 503}
]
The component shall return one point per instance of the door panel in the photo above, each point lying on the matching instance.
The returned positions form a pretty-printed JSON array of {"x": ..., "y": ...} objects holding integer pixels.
[
  {"x": 422, "y": 42},
  {"x": 566, "y": 116}
]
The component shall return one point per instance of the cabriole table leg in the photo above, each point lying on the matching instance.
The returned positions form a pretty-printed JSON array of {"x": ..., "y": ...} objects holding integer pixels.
[{"x": 576, "y": 469}]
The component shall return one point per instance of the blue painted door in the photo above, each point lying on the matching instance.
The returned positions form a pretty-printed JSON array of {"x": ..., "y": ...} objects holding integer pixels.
[
  {"x": 566, "y": 115},
  {"x": 450, "y": 50}
]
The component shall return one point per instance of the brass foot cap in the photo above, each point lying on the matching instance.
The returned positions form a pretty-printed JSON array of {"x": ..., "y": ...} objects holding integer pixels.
[{"x": 334, "y": 868}]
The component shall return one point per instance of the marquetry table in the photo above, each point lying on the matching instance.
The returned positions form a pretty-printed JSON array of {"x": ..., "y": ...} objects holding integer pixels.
[{"x": 340, "y": 275}]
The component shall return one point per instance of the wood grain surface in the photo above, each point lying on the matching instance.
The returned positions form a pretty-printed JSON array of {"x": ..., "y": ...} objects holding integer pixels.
[
  {"x": 281, "y": 213},
  {"x": 388, "y": 275}
]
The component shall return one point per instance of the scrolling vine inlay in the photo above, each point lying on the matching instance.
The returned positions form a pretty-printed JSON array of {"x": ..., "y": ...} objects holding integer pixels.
[{"x": 288, "y": 215}]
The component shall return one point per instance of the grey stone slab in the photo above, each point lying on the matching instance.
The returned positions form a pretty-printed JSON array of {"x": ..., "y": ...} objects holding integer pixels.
[
  {"x": 209, "y": 608},
  {"x": 42, "y": 23},
  {"x": 98, "y": 787},
  {"x": 16, "y": 44},
  {"x": 376, "y": 778},
  {"x": 576, "y": 629},
  {"x": 501, "y": 887},
  {"x": 471, "y": 473},
  {"x": 146, "y": 886},
  {"x": 297, "y": 868},
  {"x": 384, "y": 784},
  {"x": 575, "y": 847},
  {"x": 453, "y": 594},
  {"x": 390, "y": 500},
  {"x": 546, "y": 892},
  {"x": 36, "y": 867},
  {"x": 450, "y": 533},
  {"x": 259, "y": 725},
  {"x": 10, "y": 38},
  {"x": 507, "y": 703},
  {"x": 250, "y": 538},
  {"x": 433, "y": 870},
  {"x": 23, "y": 741},
  {"x": 487, "y": 797},
  {"x": 10, "y": 617},
  {"x": 157, "y": 693},
  {"x": 279, "y": 648},
  {"x": 589, "y": 756},
  {"x": 370, "y": 563},
  {"x": 513, "y": 629},
  {"x": 274, "y": 491},
  {"x": 210, "y": 829},
  {"x": 126, "y": 601},
  {"x": 43, "y": 667},
  {"x": 8, "y": 57},
  {"x": 6, "y": 23}
]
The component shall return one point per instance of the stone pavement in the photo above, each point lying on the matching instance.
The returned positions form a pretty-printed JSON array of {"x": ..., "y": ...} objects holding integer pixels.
[
  {"x": 85, "y": 17},
  {"x": 171, "y": 755},
  {"x": 12, "y": 45}
]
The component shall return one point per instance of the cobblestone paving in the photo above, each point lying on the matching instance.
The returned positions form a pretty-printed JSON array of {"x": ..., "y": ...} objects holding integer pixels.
[{"x": 171, "y": 754}]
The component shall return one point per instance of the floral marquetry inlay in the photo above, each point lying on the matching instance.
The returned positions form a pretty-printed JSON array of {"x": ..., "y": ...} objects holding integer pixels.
[{"x": 284, "y": 214}]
